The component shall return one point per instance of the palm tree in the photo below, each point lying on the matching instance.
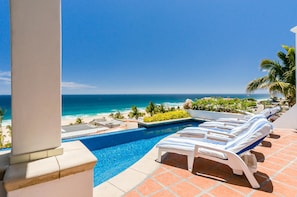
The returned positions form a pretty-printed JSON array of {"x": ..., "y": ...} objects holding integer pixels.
[
  {"x": 78, "y": 121},
  {"x": 1, "y": 115},
  {"x": 151, "y": 108},
  {"x": 1, "y": 133},
  {"x": 118, "y": 115},
  {"x": 135, "y": 113},
  {"x": 9, "y": 130},
  {"x": 280, "y": 78},
  {"x": 161, "y": 108}
]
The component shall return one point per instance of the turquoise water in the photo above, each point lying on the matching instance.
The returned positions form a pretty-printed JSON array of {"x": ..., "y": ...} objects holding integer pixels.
[
  {"x": 115, "y": 159},
  {"x": 87, "y": 105}
]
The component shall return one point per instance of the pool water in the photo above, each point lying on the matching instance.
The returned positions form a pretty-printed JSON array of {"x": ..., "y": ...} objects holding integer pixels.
[
  {"x": 117, "y": 151},
  {"x": 115, "y": 159}
]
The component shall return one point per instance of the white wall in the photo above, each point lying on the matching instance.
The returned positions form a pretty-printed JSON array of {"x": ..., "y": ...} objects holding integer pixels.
[
  {"x": 76, "y": 185},
  {"x": 287, "y": 120}
]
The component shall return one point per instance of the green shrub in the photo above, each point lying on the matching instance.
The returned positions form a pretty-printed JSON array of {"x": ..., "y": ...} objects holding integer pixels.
[
  {"x": 219, "y": 104},
  {"x": 167, "y": 116},
  {"x": 116, "y": 115}
]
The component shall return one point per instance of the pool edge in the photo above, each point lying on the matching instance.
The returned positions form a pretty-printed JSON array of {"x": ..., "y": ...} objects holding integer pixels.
[{"x": 136, "y": 174}]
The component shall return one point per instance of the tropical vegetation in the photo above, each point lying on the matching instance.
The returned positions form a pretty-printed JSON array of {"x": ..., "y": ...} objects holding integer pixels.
[
  {"x": 167, "y": 116},
  {"x": 77, "y": 121},
  {"x": 116, "y": 115},
  {"x": 155, "y": 109},
  {"x": 151, "y": 108},
  {"x": 218, "y": 104},
  {"x": 280, "y": 76},
  {"x": 135, "y": 113},
  {"x": 157, "y": 113},
  {"x": 4, "y": 144}
]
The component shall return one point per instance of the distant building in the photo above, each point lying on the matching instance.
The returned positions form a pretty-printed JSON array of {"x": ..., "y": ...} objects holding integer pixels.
[{"x": 106, "y": 123}]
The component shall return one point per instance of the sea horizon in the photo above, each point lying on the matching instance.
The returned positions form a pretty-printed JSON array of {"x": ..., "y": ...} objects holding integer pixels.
[{"x": 86, "y": 105}]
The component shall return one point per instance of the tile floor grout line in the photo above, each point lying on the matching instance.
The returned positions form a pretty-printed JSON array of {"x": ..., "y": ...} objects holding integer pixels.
[
  {"x": 242, "y": 193},
  {"x": 164, "y": 187},
  {"x": 293, "y": 187},
  {"x": 283, "y": 168},
  {"x": 117, "y": 187},
  {"x": 191, "y": 183},
  {"x": 146, "y": 178},
  {"x": 181, "y": 179},
  {"x": 138, "y": 192},
  {"x": 206, "y": 191}
]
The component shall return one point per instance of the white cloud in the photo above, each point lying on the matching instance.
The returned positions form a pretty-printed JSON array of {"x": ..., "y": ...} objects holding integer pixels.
[
  {"x": 6, "y": 77},
  {"x": 73, "y": 85}
]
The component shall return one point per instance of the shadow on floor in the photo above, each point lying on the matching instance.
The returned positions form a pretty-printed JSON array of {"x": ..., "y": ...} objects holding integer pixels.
[
  {"x": 266, "y": 144},
  {"x": 259, "y": 156},
  {"x": 274, "y": 136},
  {"x": 219, "y": 172}
]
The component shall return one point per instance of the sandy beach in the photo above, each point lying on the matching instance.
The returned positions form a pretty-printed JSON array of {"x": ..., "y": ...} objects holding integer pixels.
[
  {"x": 127, "y": 123},
  {"x": 87, "y": 119}
]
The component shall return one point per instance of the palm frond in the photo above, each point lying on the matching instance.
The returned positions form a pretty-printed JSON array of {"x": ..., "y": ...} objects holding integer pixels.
[
  {"x": 281, "y": 55},
  {"x": 258, "y": 83},
  {"x": 266, "y": 64},
  {"x": 280, "y": 76}
]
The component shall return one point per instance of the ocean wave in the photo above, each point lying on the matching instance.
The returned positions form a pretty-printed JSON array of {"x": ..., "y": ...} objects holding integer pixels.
[
  {"x": 171, "y": 104},
  {"x": 6, "y": 122}
]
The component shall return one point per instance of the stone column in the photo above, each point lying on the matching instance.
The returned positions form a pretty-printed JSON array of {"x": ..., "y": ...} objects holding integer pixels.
[{"x": 36, "y": 78}]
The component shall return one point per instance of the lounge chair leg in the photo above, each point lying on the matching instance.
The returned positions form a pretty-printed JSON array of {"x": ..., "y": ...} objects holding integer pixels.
[
  {"x": 254, "y": 183},
  {"x": 237, "y": 162},
  {"x": 159, "y": 155},
  {"x": 250, "y": 176},
  {"x": 237, "y": 172},
  {"x": 190, "y": 162}
]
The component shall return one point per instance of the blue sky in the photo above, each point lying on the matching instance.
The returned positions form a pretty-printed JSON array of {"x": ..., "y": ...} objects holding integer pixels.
[{"x": 163, "y": 46}]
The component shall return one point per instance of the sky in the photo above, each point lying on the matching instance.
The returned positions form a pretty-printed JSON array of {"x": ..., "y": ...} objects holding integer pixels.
[{"x": 163, "y": 46}]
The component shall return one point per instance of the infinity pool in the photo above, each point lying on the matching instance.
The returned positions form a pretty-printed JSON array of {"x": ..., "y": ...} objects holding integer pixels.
[{"x": 118, "y": 151}]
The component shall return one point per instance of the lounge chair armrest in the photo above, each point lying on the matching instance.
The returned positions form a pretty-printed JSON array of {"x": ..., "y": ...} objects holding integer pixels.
[
  {"x": 232, "y": 123},
  {"x": 226, "y": 127},
  {"x": 210, "y": 147},
  {"x": 218, "y": 138},
  {"x": 210, "y": 132}
]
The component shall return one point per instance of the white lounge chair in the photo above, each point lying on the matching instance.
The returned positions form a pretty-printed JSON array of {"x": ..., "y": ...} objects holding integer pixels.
[
  {"x": 268, "y": 112},
  {"x": 234, "y": 131},
  {"x": 230, "y": 125},
  {"x": 227, "y": 153}
]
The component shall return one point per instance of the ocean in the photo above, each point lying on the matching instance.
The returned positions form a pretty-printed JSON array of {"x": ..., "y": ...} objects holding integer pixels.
[{"x": 90, "y": 105}]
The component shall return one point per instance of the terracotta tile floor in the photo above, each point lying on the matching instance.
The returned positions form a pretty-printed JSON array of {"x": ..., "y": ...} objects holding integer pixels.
[{"x": 277, "y": 173}]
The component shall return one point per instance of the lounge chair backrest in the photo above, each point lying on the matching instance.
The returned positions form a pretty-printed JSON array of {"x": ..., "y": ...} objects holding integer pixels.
[
  {"x": 274, "y": 110},
  {"x": 268, "y": 112},
  {"x": 258, "y": 131},
  {"x": 244, "y": 127},
  {"x": 256, "y": 116}
]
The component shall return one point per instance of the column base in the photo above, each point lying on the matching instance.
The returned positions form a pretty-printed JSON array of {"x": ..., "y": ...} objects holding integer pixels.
[
  {"x": 58, "y": 175},
  {"x": 27, "y": 157}
]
